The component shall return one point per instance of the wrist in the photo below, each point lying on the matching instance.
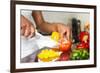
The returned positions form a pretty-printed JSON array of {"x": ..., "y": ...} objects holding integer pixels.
[{"x": 48, "y": 27}]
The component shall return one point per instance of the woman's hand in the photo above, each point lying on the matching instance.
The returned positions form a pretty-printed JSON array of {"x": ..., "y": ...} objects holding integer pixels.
[
  {"x": 27, "y": 28},
  {"x": 64, "y": 31}
]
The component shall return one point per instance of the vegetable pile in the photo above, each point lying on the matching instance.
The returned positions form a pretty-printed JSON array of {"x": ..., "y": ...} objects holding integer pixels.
[
  {"x": 79, "y": 54},
  {"x": 67, "y": 52},
  {"x": 47, "y": 55}
]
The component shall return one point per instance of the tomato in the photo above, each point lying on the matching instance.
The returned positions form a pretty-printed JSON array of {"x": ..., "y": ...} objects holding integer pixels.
[{"x": 65, "y": 46}]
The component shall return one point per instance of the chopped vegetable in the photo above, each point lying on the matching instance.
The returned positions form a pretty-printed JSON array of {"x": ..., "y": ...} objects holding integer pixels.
[
  {"x": 55, "y": 36},
  {"x": 48, "y": 55},
  {"x": 84, "y": 37},
  {"x": 84, "y": 40},
  {"x": 79, "y": 54},
  {"x": 83, "y": 45}
]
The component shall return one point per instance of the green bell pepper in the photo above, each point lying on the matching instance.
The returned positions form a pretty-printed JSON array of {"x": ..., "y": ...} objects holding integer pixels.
[{"x": 79, "y": 54}]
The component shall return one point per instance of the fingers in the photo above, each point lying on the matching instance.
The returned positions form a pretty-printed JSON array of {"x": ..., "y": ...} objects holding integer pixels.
[
  {"x": 68, "y": 34},
  {"x": 65, "y": 35},
  {"x": 32, "y": 32},
  {"x": 28, "y": 31},
  {"x": 22, "y": 30},
  {"x": 27, "y": 28},
  {"x": 62, "y": 35},
  {"x": 65, "y": 32}
]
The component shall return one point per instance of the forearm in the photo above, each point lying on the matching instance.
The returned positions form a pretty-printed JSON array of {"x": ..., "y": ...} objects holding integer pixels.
[
  {"x": 48, "y": 27},
  {"x": 42, "y": 24}
]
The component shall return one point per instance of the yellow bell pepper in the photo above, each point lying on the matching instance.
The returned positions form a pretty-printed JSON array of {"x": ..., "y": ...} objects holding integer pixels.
[{"x": 55, "y": 36}]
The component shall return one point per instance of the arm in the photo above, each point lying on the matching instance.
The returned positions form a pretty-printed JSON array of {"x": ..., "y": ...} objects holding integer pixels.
[
  {"x": 42, "y": 24},
  {"x": 50, "y": 27}
]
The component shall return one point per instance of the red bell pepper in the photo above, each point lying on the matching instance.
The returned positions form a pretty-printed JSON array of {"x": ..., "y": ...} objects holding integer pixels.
[
  {"x": 83, "y": 46},
  {"x": 84, "y": 37}
]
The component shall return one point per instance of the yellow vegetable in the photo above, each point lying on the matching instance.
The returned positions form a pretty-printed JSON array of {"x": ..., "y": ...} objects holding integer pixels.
[
  {"x": 55, "y": 36},
  {"x": 48, "y": 55}
]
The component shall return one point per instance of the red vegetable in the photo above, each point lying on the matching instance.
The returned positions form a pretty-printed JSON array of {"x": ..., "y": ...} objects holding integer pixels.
[
  {"x": 65, "y": 46},
  {"x": 84, "y": 37},
  {"x": 64, "y": 56},
  {"x": 83, "y": 45}
]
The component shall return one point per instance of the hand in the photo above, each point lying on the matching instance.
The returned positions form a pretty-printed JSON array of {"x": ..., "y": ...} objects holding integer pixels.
[
  {"x": 64, "y": 31},
  {"x": 27, "y": 28}
]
